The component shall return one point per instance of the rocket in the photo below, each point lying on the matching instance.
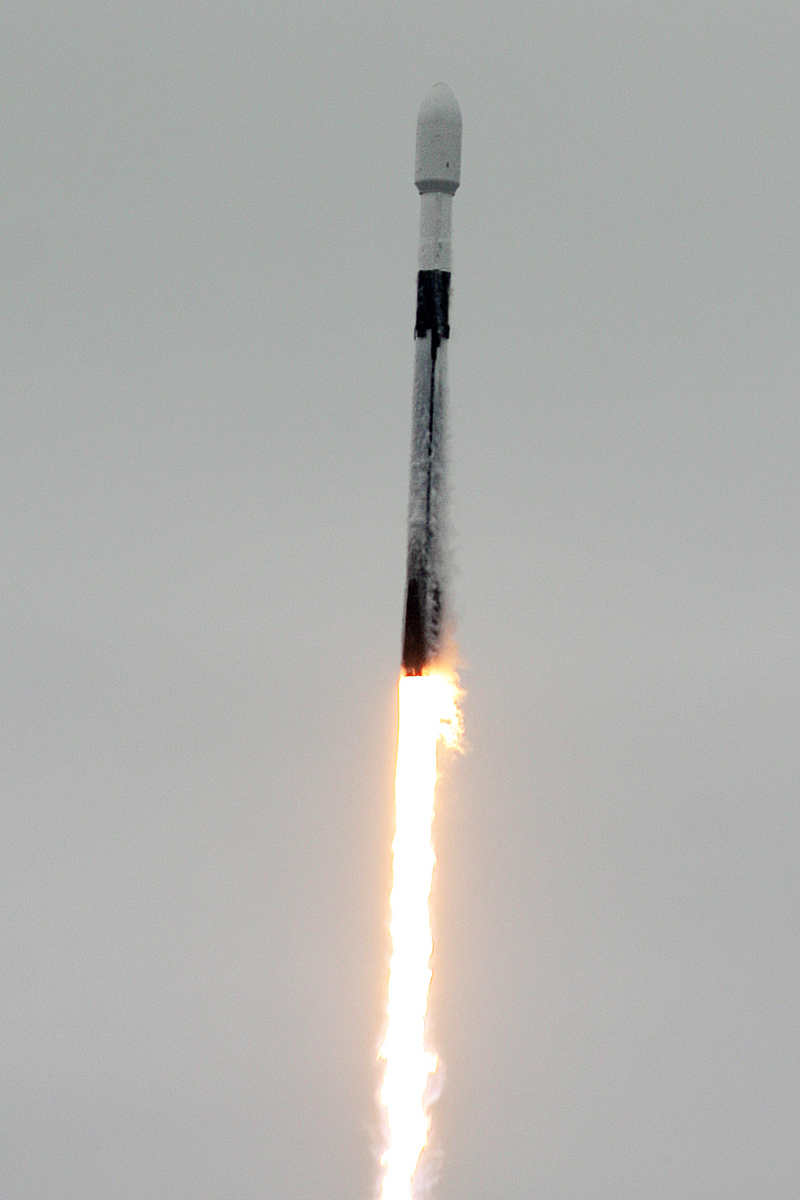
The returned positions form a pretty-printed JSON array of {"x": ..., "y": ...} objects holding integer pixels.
[{"x": 437, "y": 175}]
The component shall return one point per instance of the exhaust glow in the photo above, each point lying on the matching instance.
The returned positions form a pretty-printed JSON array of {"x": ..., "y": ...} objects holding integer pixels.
[{"x": 428, "y": 714}]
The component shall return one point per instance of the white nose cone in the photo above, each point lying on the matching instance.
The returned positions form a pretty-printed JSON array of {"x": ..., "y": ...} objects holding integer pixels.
[{"x": 439, "y": 142}]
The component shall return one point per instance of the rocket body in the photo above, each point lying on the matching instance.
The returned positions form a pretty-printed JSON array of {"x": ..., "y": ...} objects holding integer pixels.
[{"x": 438, "y": 169}]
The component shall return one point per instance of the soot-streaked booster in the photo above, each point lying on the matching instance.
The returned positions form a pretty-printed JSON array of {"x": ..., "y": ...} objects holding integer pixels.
[{"x": 437, "y": 175}]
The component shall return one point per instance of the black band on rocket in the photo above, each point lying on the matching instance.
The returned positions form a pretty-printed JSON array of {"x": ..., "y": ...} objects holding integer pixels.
[{"x": 433, "y": 306}]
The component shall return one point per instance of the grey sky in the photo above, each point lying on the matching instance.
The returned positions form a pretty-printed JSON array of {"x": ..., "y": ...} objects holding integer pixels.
[{"x": 208, "y": 250}]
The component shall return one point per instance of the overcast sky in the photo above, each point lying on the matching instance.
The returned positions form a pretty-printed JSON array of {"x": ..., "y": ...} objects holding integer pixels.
[{"x": 208, "y": 232}]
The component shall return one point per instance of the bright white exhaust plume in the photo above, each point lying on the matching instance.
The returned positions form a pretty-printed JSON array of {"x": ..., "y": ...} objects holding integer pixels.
[{"x": 428, "y": 714}]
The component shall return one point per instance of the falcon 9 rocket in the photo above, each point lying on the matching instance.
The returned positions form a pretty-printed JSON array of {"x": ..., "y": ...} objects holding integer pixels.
[{"x": 438, "y": 174}]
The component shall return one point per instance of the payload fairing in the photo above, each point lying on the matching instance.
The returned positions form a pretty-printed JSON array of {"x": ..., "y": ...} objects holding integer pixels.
[{"x": 438, "y": 174}]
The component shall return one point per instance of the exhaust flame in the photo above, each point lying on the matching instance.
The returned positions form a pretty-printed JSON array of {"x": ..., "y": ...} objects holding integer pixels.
[{"x": 428, "y": 714}]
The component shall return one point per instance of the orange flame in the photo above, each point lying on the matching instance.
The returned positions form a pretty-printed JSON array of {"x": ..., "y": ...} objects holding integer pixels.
[{"x": 428, "y": 714}]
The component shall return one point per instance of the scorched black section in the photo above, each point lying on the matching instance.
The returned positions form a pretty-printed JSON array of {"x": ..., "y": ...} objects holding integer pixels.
[
  {"x": 433, "y": 307},
  {"x": 425, "y": 617},
  {"x": 415, "y": 652}
]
